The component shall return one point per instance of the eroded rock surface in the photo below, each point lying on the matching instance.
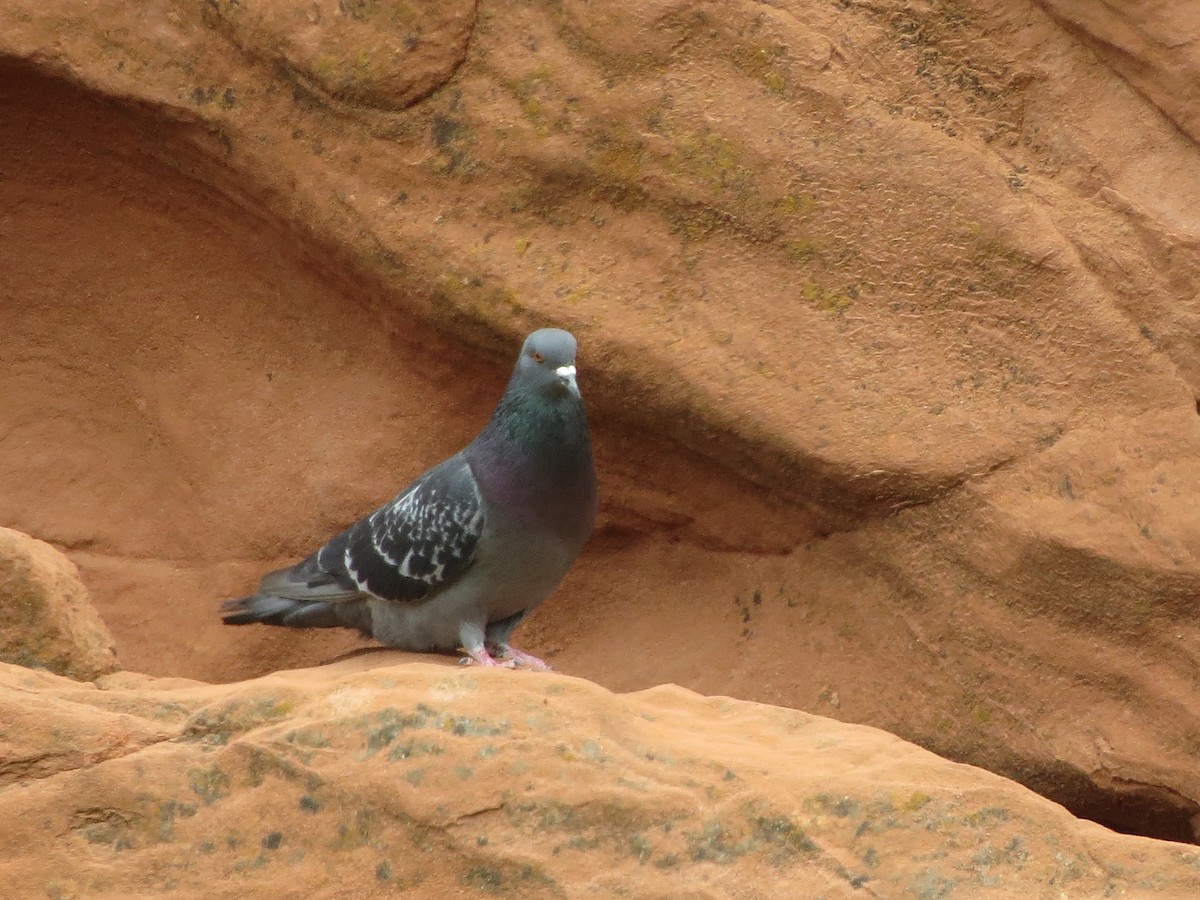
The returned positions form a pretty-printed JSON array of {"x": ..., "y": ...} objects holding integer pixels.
[
  {"x": 888, "y": 314},
  {"x": 361, "y": 52},
  {"x": 1151, "y": 45},
  {"x": 46, "y": 617},
  {"x": 353, "y": 780}
]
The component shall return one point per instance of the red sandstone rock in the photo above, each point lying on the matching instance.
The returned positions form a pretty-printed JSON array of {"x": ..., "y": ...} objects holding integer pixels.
[
  {"x": 384, "y": 55},
  {"x": 888, "y": 317},
  {"x": 440, "y": 782},
  {"x": 47, "y": 620}
]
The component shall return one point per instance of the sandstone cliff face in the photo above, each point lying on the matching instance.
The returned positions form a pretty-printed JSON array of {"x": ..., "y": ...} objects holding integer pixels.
[
  {"x": 888, "y": 315},
  {"x": 432, "y": 781}
]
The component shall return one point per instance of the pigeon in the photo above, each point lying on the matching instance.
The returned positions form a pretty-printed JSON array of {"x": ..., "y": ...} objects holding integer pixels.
[{"x": 472, "y": 546}]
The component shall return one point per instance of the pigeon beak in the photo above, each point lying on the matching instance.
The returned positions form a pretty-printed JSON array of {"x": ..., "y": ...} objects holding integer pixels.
[{"x": 567, "y": 374}]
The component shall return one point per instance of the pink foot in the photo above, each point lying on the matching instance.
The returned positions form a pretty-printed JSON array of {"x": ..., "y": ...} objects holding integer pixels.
[
  {"x": 520, "y": 659},
  {"x": 481, "y": 657}
]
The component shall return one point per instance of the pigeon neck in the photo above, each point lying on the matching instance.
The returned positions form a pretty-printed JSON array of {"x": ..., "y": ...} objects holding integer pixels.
[
  {"x": 535, "y": 454},
  {"x": 541, "y": 429}
]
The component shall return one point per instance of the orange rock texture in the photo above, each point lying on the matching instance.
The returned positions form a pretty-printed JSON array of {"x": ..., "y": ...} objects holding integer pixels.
[
  {"x": 888, "y": 315},
  {"x": 47, "y": 620},
  {"x": 433, "y": 781}
]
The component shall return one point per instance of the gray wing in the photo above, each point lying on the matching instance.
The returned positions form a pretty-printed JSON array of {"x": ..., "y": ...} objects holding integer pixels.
[{"x": 405, "y": 550}]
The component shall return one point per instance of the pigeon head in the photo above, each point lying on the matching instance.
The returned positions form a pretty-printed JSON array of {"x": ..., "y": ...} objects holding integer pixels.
[
  {"x": 542, "y": 410},
  {"x": 547, "y": 363}
]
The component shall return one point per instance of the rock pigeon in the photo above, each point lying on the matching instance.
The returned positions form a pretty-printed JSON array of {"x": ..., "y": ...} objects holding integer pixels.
[{"x": 471, "y": 547}]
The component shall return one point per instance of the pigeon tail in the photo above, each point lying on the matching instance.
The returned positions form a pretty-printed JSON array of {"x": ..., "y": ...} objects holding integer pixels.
[{"x": 272, "y": 610}]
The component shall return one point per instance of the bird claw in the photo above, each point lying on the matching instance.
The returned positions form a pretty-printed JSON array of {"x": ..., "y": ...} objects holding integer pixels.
[
  {"x": 486, "y": 660},
  {"x": 504, "y": 657},
  {"x": 521, "y": 660}
]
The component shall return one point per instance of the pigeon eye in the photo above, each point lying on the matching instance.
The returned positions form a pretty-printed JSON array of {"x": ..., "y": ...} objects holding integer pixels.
[{"x": 538, "y": 358}]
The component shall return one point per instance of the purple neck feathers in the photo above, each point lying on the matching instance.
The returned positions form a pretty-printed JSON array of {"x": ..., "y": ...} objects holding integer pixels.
[{"x": 533, "y": 460}]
